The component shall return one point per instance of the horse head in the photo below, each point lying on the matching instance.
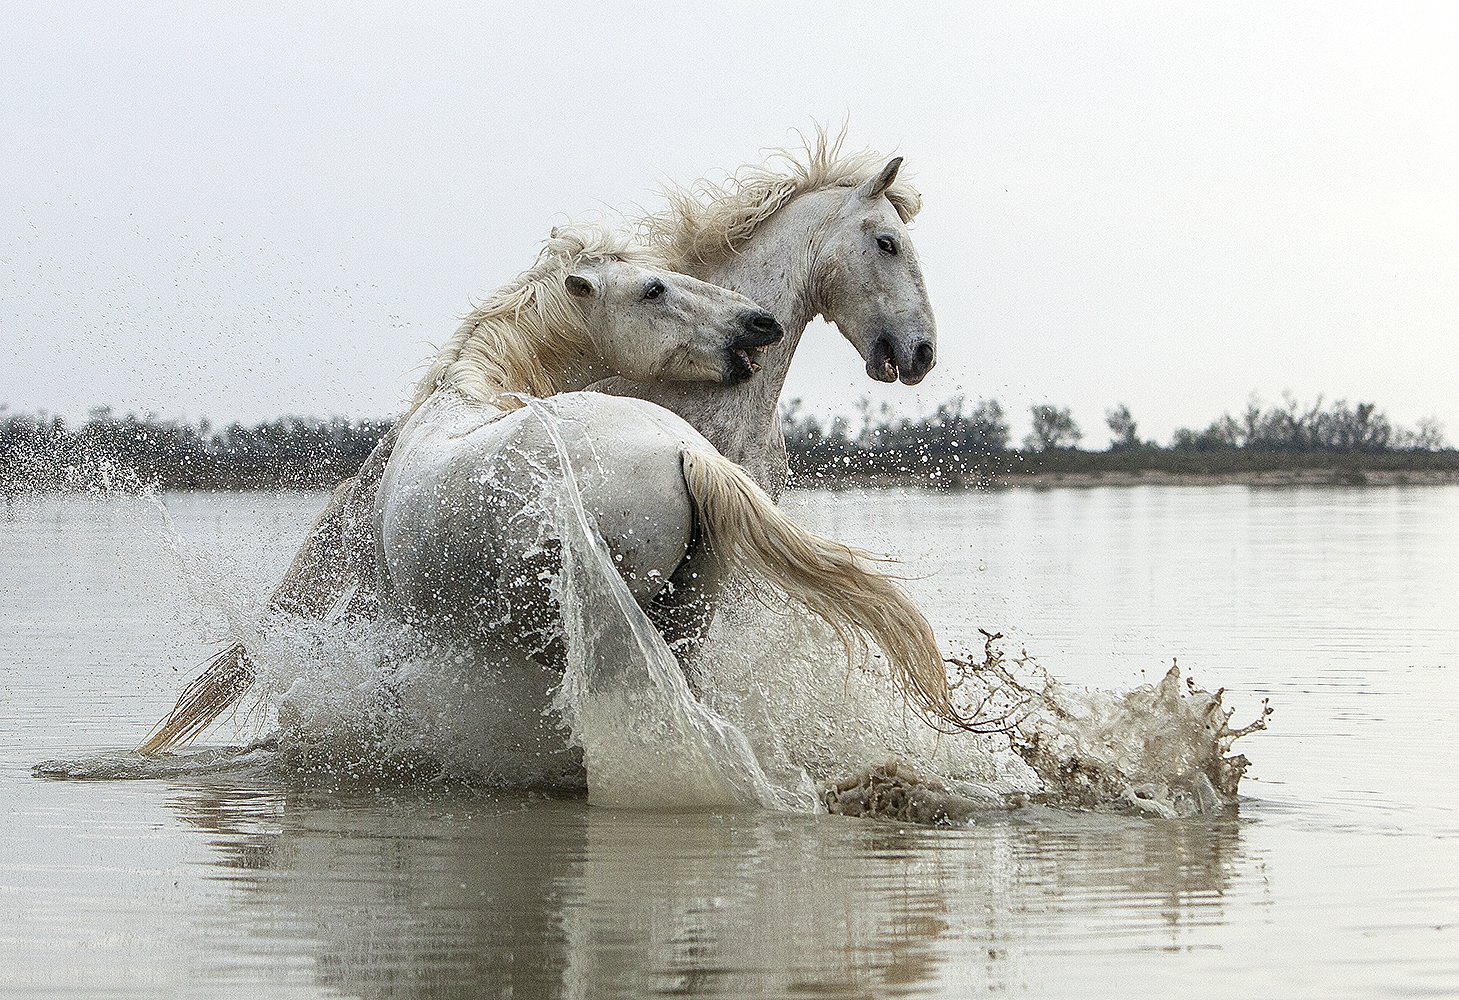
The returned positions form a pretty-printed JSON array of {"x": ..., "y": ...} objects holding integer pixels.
[
  {"x": 869, "y": 281},
  {"x": 653, "y": 324}
]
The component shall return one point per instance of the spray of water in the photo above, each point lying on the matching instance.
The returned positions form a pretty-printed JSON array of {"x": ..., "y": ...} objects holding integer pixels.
[
  {"x": 1162, "y": 748},
  {"x": 646, "y": 739}
]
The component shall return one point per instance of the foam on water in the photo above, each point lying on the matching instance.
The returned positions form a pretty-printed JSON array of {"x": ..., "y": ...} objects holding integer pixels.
[{"x": 781, "y": 719}]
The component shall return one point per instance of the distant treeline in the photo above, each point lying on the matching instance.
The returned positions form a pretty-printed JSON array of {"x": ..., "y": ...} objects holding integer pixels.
[
  {"x": 40, "y": 453},
  {"x": 964, "y": 442},
  {"x": 959, "y": 443}
]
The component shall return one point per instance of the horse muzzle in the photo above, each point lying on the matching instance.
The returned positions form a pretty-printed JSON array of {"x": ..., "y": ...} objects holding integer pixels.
[
  {"x": 758, "y": 330},
  {"x": 893, "y": 358}
]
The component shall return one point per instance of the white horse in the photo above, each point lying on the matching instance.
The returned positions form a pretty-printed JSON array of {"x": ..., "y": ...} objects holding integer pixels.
[
  {"x": 459, "y": 536},
  {"x": 460, "y": 547},
  {"x": 819, "y": 234},
  {"x": 823, "y": 234}
]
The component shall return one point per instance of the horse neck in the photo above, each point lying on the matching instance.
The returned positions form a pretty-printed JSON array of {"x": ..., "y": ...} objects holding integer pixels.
[{"x": 776, "y": 269}]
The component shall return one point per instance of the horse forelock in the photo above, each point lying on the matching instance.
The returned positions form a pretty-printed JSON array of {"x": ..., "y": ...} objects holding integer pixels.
[
  {"x": 707, "y": 221},
  {"x": 525, "y": 336}
]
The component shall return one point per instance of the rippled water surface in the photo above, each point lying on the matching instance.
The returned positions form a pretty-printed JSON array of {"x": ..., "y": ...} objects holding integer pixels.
[{"x": 1339, "y": 876}]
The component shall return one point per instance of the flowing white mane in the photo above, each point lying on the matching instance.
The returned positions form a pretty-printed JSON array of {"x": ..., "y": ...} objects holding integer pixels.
[
  {"x": 706, "y": 222},
  {"x": 527, "y": 336}
]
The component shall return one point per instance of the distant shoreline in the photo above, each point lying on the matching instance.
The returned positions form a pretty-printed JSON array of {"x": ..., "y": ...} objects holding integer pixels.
[
  {"x": 1075, "y": 469},
  {"x": 952, "y": 449},
  {"x": 1091, "y": 479},
  {"x": 1067, "y": 469},
  {"x": 882, "y": 480}
]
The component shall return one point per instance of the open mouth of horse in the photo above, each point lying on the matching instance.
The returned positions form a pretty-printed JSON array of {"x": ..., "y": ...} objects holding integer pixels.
[
  {"x": 743, "y": 362},
  {"x": 746, "y": 351}
]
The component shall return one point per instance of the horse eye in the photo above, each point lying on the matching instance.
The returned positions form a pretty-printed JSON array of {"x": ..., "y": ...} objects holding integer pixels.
[
  {"x": 653, "y": 289},
  {"x": 886, "y": 245}
]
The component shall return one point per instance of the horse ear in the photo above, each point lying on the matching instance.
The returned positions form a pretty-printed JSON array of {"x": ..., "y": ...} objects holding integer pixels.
[
  {"x": 877, "y": 186},
  {"x": 580, "y": 286}
]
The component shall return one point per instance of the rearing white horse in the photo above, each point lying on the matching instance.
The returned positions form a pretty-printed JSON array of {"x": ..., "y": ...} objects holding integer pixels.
[
  {"x": 823, "y": 233},
  {"x": 460, "y": 547},
  {"x": 458, "y": 535}
]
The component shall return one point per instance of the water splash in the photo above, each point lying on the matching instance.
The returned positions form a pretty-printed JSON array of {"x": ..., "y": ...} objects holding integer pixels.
[
  {"x": 646, "y": 739},
  {"x": 780, "y": 718},
  {"x": 376, "y": 702},
  {"x": 253, "y": 759},
  {"x": 898, "y": 791},
  {"x": 1162, "y": 748}
]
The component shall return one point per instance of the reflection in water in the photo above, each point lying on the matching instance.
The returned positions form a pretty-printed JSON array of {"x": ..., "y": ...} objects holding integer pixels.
[{"x": 442, "y": 896}]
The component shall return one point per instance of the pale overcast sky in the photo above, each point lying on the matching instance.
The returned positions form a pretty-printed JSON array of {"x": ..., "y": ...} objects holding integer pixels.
[{"x": 238, "y": 213}]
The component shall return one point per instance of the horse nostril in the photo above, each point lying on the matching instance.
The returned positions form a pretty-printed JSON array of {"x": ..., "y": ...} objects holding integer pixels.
[
  {"x": 761, "y": 322},
  {"x": 923, "y": 354}
]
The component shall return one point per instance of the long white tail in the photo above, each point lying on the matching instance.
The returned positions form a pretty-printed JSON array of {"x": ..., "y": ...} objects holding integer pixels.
[{"x": 837, "y": 583}]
